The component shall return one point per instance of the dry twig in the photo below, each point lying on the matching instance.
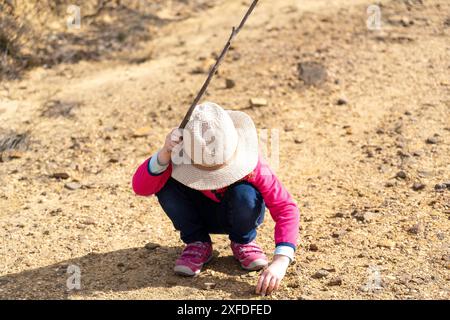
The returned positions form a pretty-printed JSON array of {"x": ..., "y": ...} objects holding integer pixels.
[{"x": 214, "y": 69}]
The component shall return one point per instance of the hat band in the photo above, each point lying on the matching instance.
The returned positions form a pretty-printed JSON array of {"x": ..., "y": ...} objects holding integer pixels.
[{"x": 212, "y": 168}]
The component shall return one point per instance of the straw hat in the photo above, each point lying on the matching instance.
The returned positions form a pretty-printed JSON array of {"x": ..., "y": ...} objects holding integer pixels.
[{"x": 219, "y": 148}]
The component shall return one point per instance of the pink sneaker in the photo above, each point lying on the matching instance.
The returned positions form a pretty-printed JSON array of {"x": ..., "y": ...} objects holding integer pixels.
[
  {"x": 250, "y": 255},
  {"x": 192, "y": 259}
]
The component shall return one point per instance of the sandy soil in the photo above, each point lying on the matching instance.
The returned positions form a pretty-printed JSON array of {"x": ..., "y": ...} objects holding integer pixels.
[{"x": 361, "y": 152}]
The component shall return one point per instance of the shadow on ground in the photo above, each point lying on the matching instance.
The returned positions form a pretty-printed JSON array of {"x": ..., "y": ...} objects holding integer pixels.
[{"x": 121, "y": 270}]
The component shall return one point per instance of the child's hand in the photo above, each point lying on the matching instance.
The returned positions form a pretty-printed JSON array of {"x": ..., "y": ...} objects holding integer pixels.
[
  {"x": 172, "y": 140},
  {"x": 270, "y": 279}
]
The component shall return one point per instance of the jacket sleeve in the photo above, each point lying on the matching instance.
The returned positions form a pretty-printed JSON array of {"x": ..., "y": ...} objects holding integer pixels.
[
  {"x": 145, "y": 183},
  {"x": 282, "y": 207}
]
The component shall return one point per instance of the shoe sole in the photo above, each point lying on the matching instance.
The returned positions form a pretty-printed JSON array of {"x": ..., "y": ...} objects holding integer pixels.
[
  {"x": 187, "y": 272},
  {"x": 255, "y": 265}
]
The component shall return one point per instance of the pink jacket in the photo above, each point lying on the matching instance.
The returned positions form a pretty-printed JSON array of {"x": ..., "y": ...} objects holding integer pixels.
[{"x": 282, "y": 207}]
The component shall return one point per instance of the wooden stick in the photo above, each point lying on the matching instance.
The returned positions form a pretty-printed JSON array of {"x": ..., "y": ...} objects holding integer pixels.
[{"x": 214, "y": 69}]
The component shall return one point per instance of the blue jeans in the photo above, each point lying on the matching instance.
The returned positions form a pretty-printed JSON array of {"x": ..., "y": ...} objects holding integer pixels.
[{"x": 196, "y": 216}]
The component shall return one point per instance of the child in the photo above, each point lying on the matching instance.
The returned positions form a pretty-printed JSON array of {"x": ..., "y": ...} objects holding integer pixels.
[{"x": 210, "y": 179}]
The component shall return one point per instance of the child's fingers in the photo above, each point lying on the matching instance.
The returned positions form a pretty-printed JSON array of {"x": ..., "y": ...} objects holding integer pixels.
[
  {"x": 277, "y": 285},
  {"x": 173, "y": 144},
  {"x": 175, "y": 139},
  {"x": 169, "y": 147},
  {"x": 259, "y": 284},
  {"x": 265, "y": 284},
  {"x": 272, "y": 285},
  {"x": 176, "y": 135}
]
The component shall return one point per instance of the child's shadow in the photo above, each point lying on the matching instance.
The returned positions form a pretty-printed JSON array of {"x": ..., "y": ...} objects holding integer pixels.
[{"x": 122, "y": 270}]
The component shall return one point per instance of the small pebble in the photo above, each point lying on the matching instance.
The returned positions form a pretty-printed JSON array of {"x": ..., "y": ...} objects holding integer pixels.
[
  {"x": 230, "y": 83},
  {"x": 403, "y": 154},
  {"x": 142, "y": 132},
  {"x": 329, "y": 269},
  {"x": 258, "y": 102},
  {"x": 338, "y": 234},
  {"x": 209, "y": 285},
  {"x": 406, "y": 22},
  {"x": 335, "y": 282},
  {"x": 415, "y": 229},
  {"x": 417, "y": 186},
  {"x": 401, "y": 175},
  {"x": 342, "y": 101},
  {"x": 89, "y": 222},
  {"x": 432, "y": 140},
  {"x": 320, "y": 274},
  {"x": 13, "y": 154},
  {"x": 72, "y": 186},
  {"x": 151, "y": 246},
  {"x": 389, "y": 244},
  {"x": 365, "y": 216},
  {"x": 60, "y": 175}
]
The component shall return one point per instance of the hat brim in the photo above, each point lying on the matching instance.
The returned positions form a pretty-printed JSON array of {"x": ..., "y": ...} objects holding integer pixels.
[{"x": 243, "y": 163}]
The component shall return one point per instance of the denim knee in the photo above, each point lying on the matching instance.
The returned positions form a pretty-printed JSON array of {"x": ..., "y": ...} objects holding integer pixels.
[
  {"x": 167, "y": 195},
  {"x": 245, "y": 207},
  {"x": 179, "y": 203}
]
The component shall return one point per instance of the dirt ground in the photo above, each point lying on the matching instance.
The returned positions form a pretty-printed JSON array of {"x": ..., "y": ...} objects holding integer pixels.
[{"x": 365, "y": 151}]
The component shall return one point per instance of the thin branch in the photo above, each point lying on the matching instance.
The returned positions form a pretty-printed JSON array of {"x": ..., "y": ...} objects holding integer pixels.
[
  {"x": 214, "y": 69},
  {"x": 100, "y": 7}
]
